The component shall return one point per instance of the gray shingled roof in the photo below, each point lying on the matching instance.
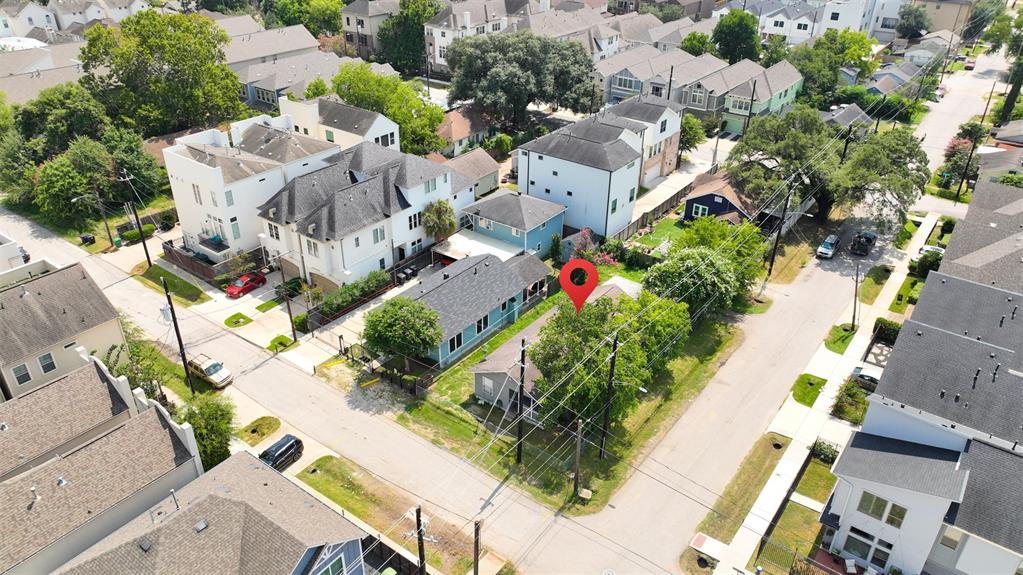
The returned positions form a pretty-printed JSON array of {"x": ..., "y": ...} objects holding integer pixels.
[
  {"x": 987, "y": 247},
  {"x": 645, "y": 108},
  {"x": 336, "y": 114},
  {"x": 1011, "y": 132},
  {"x": 21, "y": 88},
  {"x": 726, "y": 79},
  {"x": 467, "y": 290},
  {"x": 294, "y": 72},
  {"x": 593, "y": 142},
  {"x": 773, "y": 80},
  {"x": 1001, "y": 160},
  {"x": 972, "y": 309},
  {"x": 258, "y": 521},
  {"x": 529, "y": 268},
  {"x": 371, "y": 7},
  {"x": 922, "y": 374},
  {"x": 280, "y": 145},
  {"x": 238, "y": 25},
  {"x": 474, "y": 164},
  {"x": 97, "y": 476},
  {"x": 903, "y": 464},
  {"x": 452, "y": 16},
  {"x": 845, "y": 116},
  {"x": 350, "y": 209},
  {"x": 49, "y": 416},
  {"x": 49, "y": 310},
  {"x": 234, "y": 164},
  {"x": 992, "y": 505},
  {"x": 514, "y": 209},
  {"x": 269, "y": 43}
]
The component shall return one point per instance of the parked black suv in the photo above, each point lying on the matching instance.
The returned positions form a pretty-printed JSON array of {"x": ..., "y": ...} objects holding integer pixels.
[
  {"x": 283, "y": 453},
  {"x": 862, "y": 242}
]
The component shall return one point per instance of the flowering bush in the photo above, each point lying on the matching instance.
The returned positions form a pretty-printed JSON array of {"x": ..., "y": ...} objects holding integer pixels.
[{"x": 605, "y": 259}]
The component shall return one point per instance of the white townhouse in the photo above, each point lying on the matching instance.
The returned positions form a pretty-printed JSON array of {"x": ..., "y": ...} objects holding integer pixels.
[
  {"x": 19, "y": 17},
  {"x": 330, "y": 119},
  {"x": 362, "y": 212},
  {"x": 799, "y": 20},
  {"x": 468, "y": 18},
  {"x": 219, "y": 180}
]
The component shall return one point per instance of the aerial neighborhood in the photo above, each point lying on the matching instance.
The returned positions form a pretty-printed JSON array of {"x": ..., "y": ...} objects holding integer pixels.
[{"x": 315, "y": 287}]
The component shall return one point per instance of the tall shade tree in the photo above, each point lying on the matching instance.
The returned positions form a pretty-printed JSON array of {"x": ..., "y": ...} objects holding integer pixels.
[
  {"x": 984, "y": 13},
  {"x": 504, "y": 73},
  {"x": 820, "y": 62},
  {"x": 403, "y": 102},
  {"x": 49, "y": 123},
  {"x": 887, "y": 174},
  {"x": 697, "y": 43},
  {"x": 566, "y": 341},
  {"x": 744, "y": 245},
  {"x": 913, "y": 22},
  {"x": 58, "y": 183},
  {"x": 403, "y": 326},
  {"x": 324, "y": 17},
  {"x": 128, "y": 155},
  {"x": 663, "y": 325},
  {"x": 401, "y": 35},
  {"x": 439, "y": 219},
  {"x": 701, "y": 277},
  {"x": 691, "y": 134},
  {"x": 92, "y": 161},
  {"x": 211, "y": 416},
  {"x": 17, "y": 169},
  {"x": 161, "y": 72},
  {"x": 665, "y": 12},
  {"x": 1006, "y": 33},
  {"x": 775, "y": 51},
  {"x": 736, "y": 36}
]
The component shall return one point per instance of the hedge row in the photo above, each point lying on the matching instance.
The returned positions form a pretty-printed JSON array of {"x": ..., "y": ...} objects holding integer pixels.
[
  {"x": 351, "y": 293},
  {"x": 886, "y": 330},
  {"x": 132, "y": 236}
]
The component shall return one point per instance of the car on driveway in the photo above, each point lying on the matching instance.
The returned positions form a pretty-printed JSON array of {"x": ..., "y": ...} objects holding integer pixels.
[
  {"x": 829, "y": 247},
  {"x": 862, "y": 243},
  {"x": 970, "y": 64},
  {"x": 210, "y": 370},
  {"x": 283, "y": 453},
  {"x": 928, "y": 249},
  {"x": 244, "y": 284},
  {"x": 867, "y": 376}
]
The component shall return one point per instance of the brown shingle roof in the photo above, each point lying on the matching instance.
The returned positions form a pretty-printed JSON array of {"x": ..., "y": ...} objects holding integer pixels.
[
  {"x": 461, "y": 123},
  {"x": 475, "y": 164}
]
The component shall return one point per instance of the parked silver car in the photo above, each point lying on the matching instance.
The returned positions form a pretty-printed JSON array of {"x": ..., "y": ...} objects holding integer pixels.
[{"x": 829, "y": 247}]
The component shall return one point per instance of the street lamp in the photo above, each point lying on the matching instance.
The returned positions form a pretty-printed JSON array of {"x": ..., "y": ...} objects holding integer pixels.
[
  {"x": 284, "y": 286},
  {"x": 102, "y": 211}
]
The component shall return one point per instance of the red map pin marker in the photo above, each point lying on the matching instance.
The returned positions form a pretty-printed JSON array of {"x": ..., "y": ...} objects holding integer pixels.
[{"x": 578, "y": 293}]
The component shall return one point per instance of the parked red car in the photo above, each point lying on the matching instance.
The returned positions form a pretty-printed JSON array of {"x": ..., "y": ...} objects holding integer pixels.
[{"x": 245, "y": 284}]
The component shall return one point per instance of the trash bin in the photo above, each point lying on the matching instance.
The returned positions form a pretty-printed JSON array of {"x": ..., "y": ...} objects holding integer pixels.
[{"x": 117, "y": 241}]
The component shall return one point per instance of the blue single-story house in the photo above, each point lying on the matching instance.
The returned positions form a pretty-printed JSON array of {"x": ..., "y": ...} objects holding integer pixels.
[
  {"x": 712, "y": 195},
  {"x": 475, "y": 296}
]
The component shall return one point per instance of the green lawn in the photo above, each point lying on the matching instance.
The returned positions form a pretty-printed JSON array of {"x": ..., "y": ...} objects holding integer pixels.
[
  {"x": 258, "y": 430},
  {"x": 937, "y": 238},
  {"x": 237, "y": 320},
  {"x": 839, "y": 338},
  {"x": 965, "y": 196},
  {"x": 851, "y": 403},
  {"x": 268, "y": 305},
  {"x": 173, "y": 375},
  {"x": 181, "y": 290},
  {"x": 634, "y": 274},
  {"x": 797, "y": 533},
  {"x": 905, "y": 234},
  {"x": 751, "y": 305},
  {"x": 807, "y": 388},
  {"x": 281, "y": 343},
  {"x": 666, "y": 229},
  {"x": 873, "y": 282},
  {"x": 729, "y": 511},
  {"x": 817, "y": 481},
  {"x": 905, "y": 293}
]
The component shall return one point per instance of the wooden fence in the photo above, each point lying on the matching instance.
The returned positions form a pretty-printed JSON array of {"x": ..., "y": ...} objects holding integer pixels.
[
  {"x": 651, "y": 217},
  {"x": 185, "y": 260}
]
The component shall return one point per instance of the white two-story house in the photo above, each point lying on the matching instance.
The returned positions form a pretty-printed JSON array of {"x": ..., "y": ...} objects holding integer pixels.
[
  {"x": 219, "y": 180},
  {"x": 467, "y": 18},
  {"x": 330, "y": 119},
  {"x": 362, "y": 212},
  {"x": 19, "y": 17}
]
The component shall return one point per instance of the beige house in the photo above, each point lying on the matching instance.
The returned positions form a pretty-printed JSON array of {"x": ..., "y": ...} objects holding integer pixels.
[
  {"x": 478, "y": 166},
  {"x": 361, "y": 21},
  {"x": 46, "y": 318},
  {"x": 328, "y": 118},
  {"x": 947, "y": 14}
]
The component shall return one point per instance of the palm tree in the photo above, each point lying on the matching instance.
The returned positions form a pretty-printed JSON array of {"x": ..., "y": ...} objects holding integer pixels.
[{"x": 439, "y": 219}]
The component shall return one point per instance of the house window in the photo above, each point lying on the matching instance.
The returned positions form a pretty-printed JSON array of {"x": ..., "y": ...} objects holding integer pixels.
[
  {"x": 417, "y": 246},
  {"x": 382, "y": 263},
  {"x": 443, "y": 50},
  {"x": 414, "y": 220},
  {"x": 275, "y": 232},
  {"x": 70, "y": 345},
  {"x": 229, "y": 198},
  {"x": 872, "y": 505},
  {"x": 889, "y": 23},
  {"x": 46, "y": 363},
  {"x": 699, "y": 211},
  {"x": 539, "y": 156},
  {"x": 548, "y": 190},
  {"x": 867, "y": 547},
  {"x": 631, "y": 165},
  {"x": 555, "y": 172},
  {"x": 454, "y": 343},
  {"x": 356, "y": 241},
  {"x": 312, "y": 247},
  {"x": 802, "y": 26},
  {"x": 657, "y": 90},
  {"x": 443, "y": 34},
  {"x": 488, "y": 386},
  {"x": 896, "y": 515},
  {"x": 360, "y": 22},
  {"x": 504, "y": 306},
  {"x": 569, "y": 192},
  {"x": 539, "y": 246},
  {"x": 697, "y": 96},
  {"x": 390, "y": 136},
  {"x": 614, "y": 205},
  {"x": 632, "y": 193},
  {"x": 6, "y": 25},
  {"x": 30, "y": 22},
  {"x": 236, "y": 231},
  {"x": 543, "y": 226},
  {"x": 625, "y": 83},
  {"x": 779, "y": 24},
  {"x": 834, "y": 16},
  {"x": 495, "y": 27},
  {"x": 664, "y": 126},
  {"x": 740, "y": 104},
  {"x": 330, "y": 135},
  {"x": 431, "y": 186},
  {"x": 482, "y": 324},
  {"x": 378, "y": 235},
  {"x": 195, "y": 192},
  {"x": 348, "y": 21},
  {"x": 516, "y": 232},
  {"x": 481, "y": 29},
  {"x": 486, "y": 224},
  {"x": 21, "y": 374}
]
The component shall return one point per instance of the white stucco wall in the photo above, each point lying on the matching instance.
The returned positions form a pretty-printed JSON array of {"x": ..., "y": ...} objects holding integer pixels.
[{"x": 905, "y": 424}]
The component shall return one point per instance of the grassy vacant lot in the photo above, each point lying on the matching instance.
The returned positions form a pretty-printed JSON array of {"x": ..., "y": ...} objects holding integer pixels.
[
  {"x": 839, "y": 338},
  {"x": 181, "y": 290},
  {"x": 905, "y": 234},
  {"x": 851, "y": 403},
  {"x": 738, "y": 497},
  {"x": 237, "y": 320},
  {"x": 258, "y": 430},
  {"x": 281, "y": 343},
  {"x": 447, "y": 419},
  {"x": 666, "y": 229},
  {"x": 902, "y": 297},
  {"x": 873, "y": 282},
  {"x": 817, "y": 481},
  {"x": 797, "y": 533},
  {"x": 807, "y": 388},
  {"x": 381, "y": 505}
]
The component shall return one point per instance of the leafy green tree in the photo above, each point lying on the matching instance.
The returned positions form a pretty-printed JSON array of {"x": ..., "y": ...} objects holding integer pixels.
[
  {"x": 439, "y": 219},
  {"x": 697, "y": 44},
  {"x": 128, "y": 155},
  {"x": 403, "y": 326},
  {"x": 972, "y": 131},
  {"x": 323, "y": 17},
  {"x": 57, "y": 184},
  {"x": 291, "y": 12},
  {"x": 403, "y": 102},
  {"x": 211, "y": 416},
  {"x": 555, "y": 253},
  {"x": 57, "y": 115},
  {"x": 775, "y": 51},
  {"x": 566, "y": 341},
  {"x": 663, "y": 325},
  {"x": 664, "y": 12},
  {"x": 821, "y": 62},
  {"x": 701, "y": 277},
  {"x": 92, "y": 161},
  {"x": 161, "y": 72},
  {"x": 401, "y": 35},
  {"x": 504, "y": 73},
  {"x": 315, "y": 88},
  {"x": 138, "y": 360},
  {"x": 929, "y": 262},
  {"x": 984, "y": 13},
  {"x": 886, "y": 174},
  {"x": 736, "y": 36},
  {"x": 913, "y": 22},
  {"x": 1015, "y": 180},
  {"x": 1006, "y": 33},
  {"x": 744, "y": 245},
  {"x": 17, "y": 169},
  {"x": 691, "y": 134},
  {"x": 6, "y": 115}
]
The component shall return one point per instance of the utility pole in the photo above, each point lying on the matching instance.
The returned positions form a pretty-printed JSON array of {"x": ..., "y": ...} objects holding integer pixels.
[
  {"x": 177, "y": 332},
  {"x": 880, "y": 107},
  {"x": 944, "y": 63},
  {"x": 103, "y": 214},
  {"x": 988, "y": 103},
  {"x": 610, "y": 398},
  {"x": 419, "y": 538},
  {"x": 848, "y": 136},
  {"x": 142, "y": 236},
  {"x": 287, "y": 299},
  {"x": 781, "y": 226},
  {"x": 856, "y": 294},
  {"x": 966, "y": 171},
  {"x": 522, "y": 392},
  {"x": 752, "y": 100},
  {"x": 717, "y": 138},
  {"x": 578, "y": 455},
  {"x": 476, "y": 547}
]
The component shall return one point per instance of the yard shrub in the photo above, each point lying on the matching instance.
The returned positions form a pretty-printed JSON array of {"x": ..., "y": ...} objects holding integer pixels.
[
  {"x": 301, "y": 322},
  {"x": 851, "y": 403},
  {"x": 167, "y": 220},
  {"x": 914, "y": 294},
  {"x": 351, "y": 293},
  {"x": 825, "y": 451},
  {"x": 947, "y": 226},
  {"x": 886, "y": 330},
  {"x": 927, "y": 263},
  {"x": 132, "y": 236},
  {"x": 614, "y": 248}
]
